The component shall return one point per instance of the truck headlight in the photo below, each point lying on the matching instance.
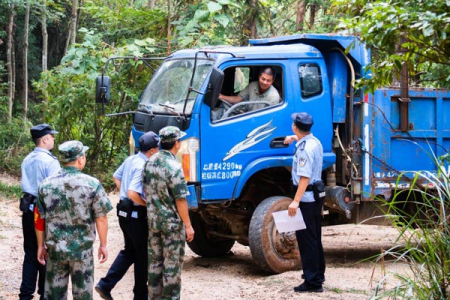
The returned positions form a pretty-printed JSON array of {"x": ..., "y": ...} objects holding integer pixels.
[{"x": 188, "y": 157}]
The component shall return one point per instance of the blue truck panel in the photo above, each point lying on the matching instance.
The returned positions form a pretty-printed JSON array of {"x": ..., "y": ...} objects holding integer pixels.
[{"x": 394, "y": 151}]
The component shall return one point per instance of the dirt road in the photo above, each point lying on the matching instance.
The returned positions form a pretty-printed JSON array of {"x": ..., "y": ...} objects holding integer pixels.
[{"x": 234, "y": 276}]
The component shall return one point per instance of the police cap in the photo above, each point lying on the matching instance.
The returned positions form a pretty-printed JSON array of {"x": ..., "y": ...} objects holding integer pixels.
[
  {"x": 303, "y": 121},
  {"x": 148, "y": 141},
  {"x": 71, "y": 150},
  {"x": 170, "y": 134},
  {"x": 41, "y": 130}
]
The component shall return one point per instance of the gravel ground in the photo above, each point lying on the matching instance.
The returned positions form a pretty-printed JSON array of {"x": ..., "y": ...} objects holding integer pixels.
[{"x": 234, "y": 276}]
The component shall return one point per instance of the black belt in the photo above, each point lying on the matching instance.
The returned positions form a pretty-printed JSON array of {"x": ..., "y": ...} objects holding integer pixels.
[{"x": 309, "y": 188}]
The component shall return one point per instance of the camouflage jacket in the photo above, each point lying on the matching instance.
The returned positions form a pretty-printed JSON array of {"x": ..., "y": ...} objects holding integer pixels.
[
  {"x": 69, "y": 202},
  {"x": 164, "y": 182}
]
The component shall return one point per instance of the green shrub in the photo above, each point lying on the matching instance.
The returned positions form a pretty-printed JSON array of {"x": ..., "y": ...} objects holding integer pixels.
[
  {"x": 427, "y": 248},
  {"x": 15, "y": 144}
]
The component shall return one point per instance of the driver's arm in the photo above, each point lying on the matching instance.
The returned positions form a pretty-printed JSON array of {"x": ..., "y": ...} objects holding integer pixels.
[{"x": 231, "y": 99}]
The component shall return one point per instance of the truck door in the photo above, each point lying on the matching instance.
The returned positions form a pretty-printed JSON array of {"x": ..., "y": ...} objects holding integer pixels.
[{"x": 242, "y": 134}]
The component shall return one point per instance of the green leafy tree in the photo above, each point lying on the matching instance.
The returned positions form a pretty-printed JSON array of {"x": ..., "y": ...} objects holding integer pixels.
[
  {"x": 412, "y": 31},
  {"x": 71, "y": 106}
]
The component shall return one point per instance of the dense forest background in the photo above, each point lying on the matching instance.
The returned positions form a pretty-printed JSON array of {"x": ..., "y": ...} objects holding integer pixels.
[{"x": 52, "y": 50}]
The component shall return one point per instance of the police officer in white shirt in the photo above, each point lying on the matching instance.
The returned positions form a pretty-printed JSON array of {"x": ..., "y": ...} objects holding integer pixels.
[
  {"x": 132, "y": 213},
  {"x": 306, "y": 177},
  {"x": 37, "y": 166}
]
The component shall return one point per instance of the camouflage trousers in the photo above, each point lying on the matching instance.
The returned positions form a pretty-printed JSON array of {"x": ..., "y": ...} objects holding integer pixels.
[
  {"x": 81, "y": 273},
  {"x": 165, "y": 260}
]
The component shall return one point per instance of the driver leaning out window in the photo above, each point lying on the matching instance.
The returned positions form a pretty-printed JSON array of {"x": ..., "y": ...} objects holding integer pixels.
[{"x": 262, "y": 92}]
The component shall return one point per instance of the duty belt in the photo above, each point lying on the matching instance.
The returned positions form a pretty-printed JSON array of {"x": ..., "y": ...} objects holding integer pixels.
[
  {"x": 127, "y": 210},
  {"x": 27, "y": 202},
  {"x": 309, "y": 188}
]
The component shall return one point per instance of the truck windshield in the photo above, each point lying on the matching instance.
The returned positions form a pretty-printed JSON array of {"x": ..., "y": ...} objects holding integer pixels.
[{"x": 169, "y": 86}]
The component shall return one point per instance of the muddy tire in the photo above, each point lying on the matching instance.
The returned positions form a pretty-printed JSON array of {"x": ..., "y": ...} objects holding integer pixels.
[
  {"x": 205, "y": 245},
  {"x": 272, "y": 251}
]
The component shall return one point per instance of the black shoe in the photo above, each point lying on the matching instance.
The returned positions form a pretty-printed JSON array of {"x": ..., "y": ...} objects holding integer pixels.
[
  {"x": 104, "y": 294},
  {"x": 306, "y": 288}
]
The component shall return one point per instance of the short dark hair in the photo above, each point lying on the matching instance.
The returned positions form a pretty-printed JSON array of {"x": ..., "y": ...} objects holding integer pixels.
[
  {"x": 168, "y": 145},
  {"x": 267, "y": 70},
  {"x": 37, "y": 141}
]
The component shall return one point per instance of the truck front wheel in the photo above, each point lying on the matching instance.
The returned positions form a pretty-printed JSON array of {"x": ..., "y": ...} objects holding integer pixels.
[
  {"x": 272, "y": 251},
  {"x": 205, "y": 245}
]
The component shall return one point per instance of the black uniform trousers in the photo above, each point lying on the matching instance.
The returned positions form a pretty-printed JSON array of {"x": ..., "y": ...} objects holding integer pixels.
[
  {"x": 32, "y": 269},
  {"x": 310, "y": 243},
  {"x": 135, "y": 233}
]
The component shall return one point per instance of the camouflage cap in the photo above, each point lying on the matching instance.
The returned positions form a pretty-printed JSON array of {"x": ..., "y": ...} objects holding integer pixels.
[
  {"x": 170, "y": 134},
  {"x": 71, "y": 150}
]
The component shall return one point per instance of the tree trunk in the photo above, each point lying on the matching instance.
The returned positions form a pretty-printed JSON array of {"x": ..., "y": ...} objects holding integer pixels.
[
  {"x": 169, "y": 33},
  {"x": 254, "y": 18},
  {"x": 9, "y": 62},
  {"x": 25, "y": 62},
  {"x": 131, "y": 3},
  {"x": 250, "y": 22},
  {"x": 151, "y": 4},
  {"x": 301, "y": 11},
  {"x": 72, "y": 27},
  {"x": 312, "y": 15},
  {"x": 44, "y": 46},
  {"x": 73, "y": 22}
]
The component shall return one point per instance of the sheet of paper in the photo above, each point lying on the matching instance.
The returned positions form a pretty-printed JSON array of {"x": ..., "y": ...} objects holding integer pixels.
[{"x": 285, "y": 223}]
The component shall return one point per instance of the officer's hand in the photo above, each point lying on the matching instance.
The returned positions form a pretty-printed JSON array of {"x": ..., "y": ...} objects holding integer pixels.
[
  {"x": 292, "y": 209},
  {"x": 190, "y": 233},
  {"x": 289, "y": 139},
  {"x": 102, "y": 254},
  {"x": 42, "y": 255}
]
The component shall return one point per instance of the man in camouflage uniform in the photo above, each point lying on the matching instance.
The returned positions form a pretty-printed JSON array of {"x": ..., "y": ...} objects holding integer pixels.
[
  {"x": 168, "y": 217},
  {"x": 70, "y": 205}
]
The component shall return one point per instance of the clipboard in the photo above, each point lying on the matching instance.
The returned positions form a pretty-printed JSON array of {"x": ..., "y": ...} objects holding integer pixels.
[{"x": 286, "y": 223}]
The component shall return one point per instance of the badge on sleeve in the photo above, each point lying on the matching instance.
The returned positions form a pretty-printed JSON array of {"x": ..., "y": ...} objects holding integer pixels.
[{"x": 302, "y": 161}]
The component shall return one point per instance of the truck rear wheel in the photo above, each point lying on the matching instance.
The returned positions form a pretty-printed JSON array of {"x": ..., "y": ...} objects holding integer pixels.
[
  {"x": 205, "y": 245},
  {"x": 272, "y": 251}
]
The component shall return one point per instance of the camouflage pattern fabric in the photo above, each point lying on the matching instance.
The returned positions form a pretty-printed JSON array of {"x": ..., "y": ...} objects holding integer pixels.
[
  {"x": 170, "y": 134},
  {"x": 163, "y": 181},
  {"x": 71, "y": 150},
  {"x": 82, "y": 275},
  {"x": 69, "y": 202},
  {"x": 166, "y": 253}
]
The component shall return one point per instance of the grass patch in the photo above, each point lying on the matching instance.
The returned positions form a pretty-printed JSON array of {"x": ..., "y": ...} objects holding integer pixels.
[
  {"x": 426, "y": 209},
  {"x": 10, "y": 191},
  {"x": 351, "y": 291}
]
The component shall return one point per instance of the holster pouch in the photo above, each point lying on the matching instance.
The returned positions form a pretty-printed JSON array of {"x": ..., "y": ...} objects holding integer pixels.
[
  {"x": 124, "y": 208},
  {"x": 319, "y": 191},
  {"x": 25, "y": 202}
]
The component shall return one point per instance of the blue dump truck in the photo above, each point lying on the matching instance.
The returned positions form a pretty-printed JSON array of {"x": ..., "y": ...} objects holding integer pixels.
[{"x": 237, "y": 166}]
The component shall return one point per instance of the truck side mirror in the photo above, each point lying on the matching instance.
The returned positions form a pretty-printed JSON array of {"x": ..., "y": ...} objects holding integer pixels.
[
  {"x": 102, "y": 88},
  {"x": 214, "y": 86}
]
